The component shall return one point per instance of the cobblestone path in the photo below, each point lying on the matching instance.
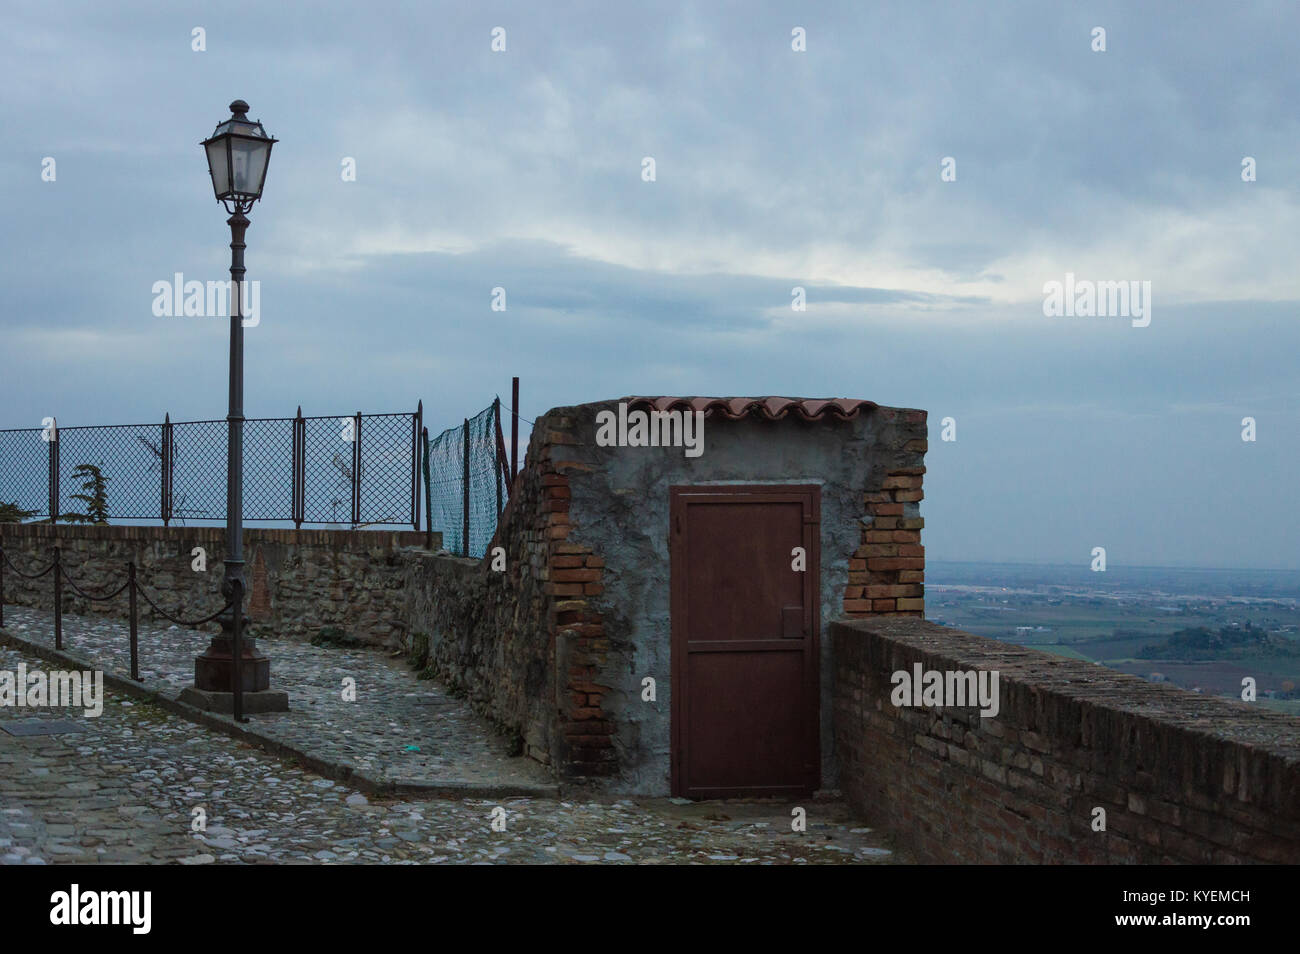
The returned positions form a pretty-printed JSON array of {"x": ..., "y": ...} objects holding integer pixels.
[
  {"x": 400, "y": 728},
  {"x": 126, "y": 790}
]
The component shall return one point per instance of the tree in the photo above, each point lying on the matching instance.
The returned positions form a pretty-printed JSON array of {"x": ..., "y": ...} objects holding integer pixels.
[
  {"x": 12, "y": 513},
  {"x": 95, "y": 496}
]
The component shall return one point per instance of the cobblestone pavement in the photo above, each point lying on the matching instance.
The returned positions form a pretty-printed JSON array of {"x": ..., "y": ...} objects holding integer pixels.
[
  {"x": 400, "y": 728},
  {"x": 125, "y": 790}
]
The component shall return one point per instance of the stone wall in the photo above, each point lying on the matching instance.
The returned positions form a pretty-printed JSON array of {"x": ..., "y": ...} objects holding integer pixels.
[
  {"x": 1182, "y": 777},
  {"x": 523, "y": 641},
  {"x": 340, "y": 584},
  {"x": 483, "y": 634}
]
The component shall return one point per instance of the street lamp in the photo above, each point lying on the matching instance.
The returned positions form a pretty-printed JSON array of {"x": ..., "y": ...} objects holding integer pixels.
[{"x": 238, "y": 152}]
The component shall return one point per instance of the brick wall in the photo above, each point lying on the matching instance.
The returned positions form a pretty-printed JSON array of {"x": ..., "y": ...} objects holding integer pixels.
[
  {"x": 301, "y": 582},
  {"x": 525, "y": 644},
  {"x": 887, "y": 572},
  {"x": 1183, "y": 778}
]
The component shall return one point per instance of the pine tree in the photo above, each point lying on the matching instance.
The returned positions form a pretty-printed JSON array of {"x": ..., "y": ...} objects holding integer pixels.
[
  {"x": 12, "y": 513},
  {"x": 95, "y": 496}
]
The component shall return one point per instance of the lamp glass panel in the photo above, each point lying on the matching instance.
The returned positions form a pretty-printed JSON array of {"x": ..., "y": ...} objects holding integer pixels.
[
  {"x": 248, "y": 158},
  {"x": 219, "y": 164}
]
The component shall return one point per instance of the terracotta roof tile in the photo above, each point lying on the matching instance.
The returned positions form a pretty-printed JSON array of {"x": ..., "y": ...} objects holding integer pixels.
[{"x": 771, "y": 408}]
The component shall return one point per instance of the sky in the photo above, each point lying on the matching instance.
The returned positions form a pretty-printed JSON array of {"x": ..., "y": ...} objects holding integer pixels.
[{"x": 775, "y": 168}]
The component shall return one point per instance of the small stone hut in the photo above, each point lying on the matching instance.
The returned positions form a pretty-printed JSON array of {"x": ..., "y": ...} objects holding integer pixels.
[{"x": 653, "y": 614}]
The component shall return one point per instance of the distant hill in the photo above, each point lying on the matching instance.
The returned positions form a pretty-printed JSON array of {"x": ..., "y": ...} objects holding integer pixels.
[{"x": 1228, "y": 642}]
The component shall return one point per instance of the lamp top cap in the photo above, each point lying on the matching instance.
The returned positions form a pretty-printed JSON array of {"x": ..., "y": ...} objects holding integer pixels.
[{"x": 239, "y": 108}]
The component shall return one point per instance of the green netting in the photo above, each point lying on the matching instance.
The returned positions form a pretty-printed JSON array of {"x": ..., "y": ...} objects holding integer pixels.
[{"x": 444, "y": 473}]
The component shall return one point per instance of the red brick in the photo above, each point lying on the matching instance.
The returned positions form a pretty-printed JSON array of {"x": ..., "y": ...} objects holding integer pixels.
[
  {"x": 575, "y": 576},
  {"x": 889, "y": 591},
  {"x": 896, "y": 563},
  {"x": 886, "y": 509},
  {"x": 563, "y": 589},
  {"x": 901, "y": 483}
]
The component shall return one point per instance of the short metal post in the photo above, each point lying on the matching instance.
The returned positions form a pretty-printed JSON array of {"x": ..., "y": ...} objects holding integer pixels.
[
  {"x": 135, "y": 628},
  {"x": 465, "y": 495},
  {"x": 2, "y": 588},
  {"x": 58, "y": 600}
]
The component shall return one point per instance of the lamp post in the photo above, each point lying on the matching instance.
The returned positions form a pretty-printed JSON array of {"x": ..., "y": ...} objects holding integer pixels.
[{"x": 238, "y": 152}]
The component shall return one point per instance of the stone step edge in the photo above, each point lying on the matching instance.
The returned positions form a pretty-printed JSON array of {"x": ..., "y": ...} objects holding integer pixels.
[{"x": 393, "y": 788}]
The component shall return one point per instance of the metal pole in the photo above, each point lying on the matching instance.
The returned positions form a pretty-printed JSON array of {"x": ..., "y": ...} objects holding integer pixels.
[
  {"x": 297, "y": 467},
  {"x": 2, "y": 588},
  {"x": 496, "y": 460},
  {"x": 135, "y": 627},
  {"x": 465, "y": 495},
  {"x": 54, "y": 470},
  {"x": 356, "y": 470},
  {"x": 234, "y": 572},
  {"x": 210, "y": 669},
  {"x": 237, "y": 643},
  {"x": 165, "y": 478},
  {"x": 58, "y": 600},
  {"x": 416, "y": 424},
  {"x": 514, "y": 430},
  {"x": 428, "y": 493}
]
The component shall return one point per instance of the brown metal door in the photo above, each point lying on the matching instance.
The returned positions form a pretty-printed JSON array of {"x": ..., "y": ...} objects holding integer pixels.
[{"x": 744, "y": 641}]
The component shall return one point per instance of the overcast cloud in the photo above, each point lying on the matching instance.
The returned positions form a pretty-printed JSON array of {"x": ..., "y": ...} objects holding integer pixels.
[{"x": 775, "y": 169}]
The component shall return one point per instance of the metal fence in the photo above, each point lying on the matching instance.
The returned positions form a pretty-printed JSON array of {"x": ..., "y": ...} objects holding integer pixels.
[{"x": 358, "y": 470}]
